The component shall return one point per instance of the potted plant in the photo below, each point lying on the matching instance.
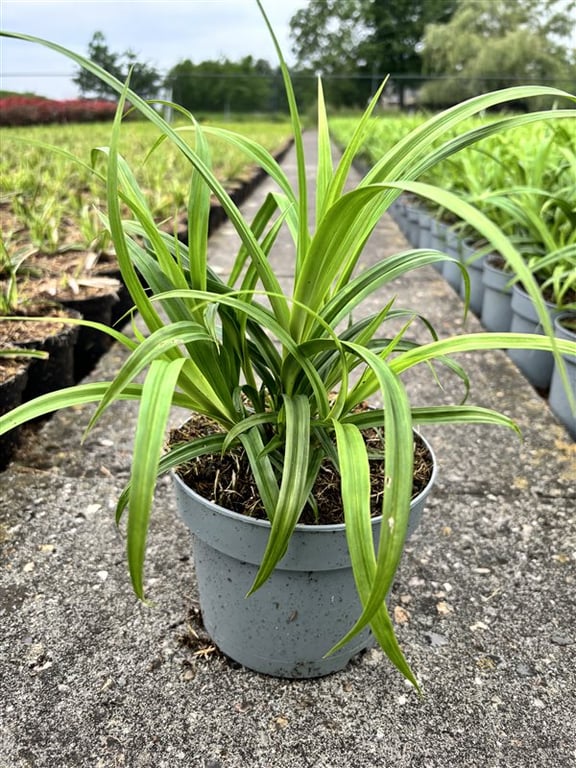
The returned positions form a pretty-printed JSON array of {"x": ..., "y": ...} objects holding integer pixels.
[
  {"x": 555, "y": 272},
  {"x": 542, "y": 225},
  {"x": 276, "y": 383}
]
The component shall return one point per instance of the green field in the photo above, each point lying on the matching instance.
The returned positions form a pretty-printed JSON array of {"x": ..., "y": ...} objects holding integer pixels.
[{"x": 47, "y": 199}]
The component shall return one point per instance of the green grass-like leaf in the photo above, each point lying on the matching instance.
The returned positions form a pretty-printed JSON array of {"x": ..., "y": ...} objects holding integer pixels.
[{"x": 148, "y": 443}]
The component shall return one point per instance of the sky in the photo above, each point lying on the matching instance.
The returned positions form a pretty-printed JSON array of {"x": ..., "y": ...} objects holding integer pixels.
[{"x": 161, "y": 32}]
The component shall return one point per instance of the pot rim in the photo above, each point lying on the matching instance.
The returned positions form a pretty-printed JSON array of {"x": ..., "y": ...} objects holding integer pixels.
[
  {"x": 518, "y": 288},
  {"x": 332, "y": 527},
  {"x": 566, "y": 314}
]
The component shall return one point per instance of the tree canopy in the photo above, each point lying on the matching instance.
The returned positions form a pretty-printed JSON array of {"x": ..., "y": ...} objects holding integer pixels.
[
  {"x": 354, "y": 44},
  {"x": 212, "y": 86},
  {"x": 490, "y": 44},
  {"x": 144, "y": 79},
  {"x": 248, "y": 85}
]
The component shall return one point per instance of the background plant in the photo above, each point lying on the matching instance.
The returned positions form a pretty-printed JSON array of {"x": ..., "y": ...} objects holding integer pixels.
[
  {"x": 20, "y": 110},
  {"x": 10, "y": 263},
  {"x": 522, "y": 179},
  {"x": 54, "y": 199}
]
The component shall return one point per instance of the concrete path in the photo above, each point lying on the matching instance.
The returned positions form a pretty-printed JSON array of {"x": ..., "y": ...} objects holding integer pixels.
[{"x": 485, "y": 599}]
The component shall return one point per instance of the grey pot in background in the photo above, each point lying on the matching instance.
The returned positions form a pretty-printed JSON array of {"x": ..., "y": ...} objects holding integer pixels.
[
  {"x": 536, "y": 365},
  {"x": 450, "y": 270},
  {"x": 287, "y": 626},
  {"x": 558, "y": 398},
  {"x": 474, "y": 263},
  {"x": 425, "y": 229},
  {"x": 401, "y": 214},
  {"x": 397, "y": 210},
  {"x": 412, "y": 232},
  {"x": 496, "y": 310},
  {"x": 438, "y": 232}
]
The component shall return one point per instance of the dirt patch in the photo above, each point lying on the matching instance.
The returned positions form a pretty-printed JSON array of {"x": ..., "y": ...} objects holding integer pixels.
[{"x": 228, "y": 480}]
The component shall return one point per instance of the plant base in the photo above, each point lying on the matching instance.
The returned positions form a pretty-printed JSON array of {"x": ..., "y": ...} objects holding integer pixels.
[{"x": 310, "y": 601}]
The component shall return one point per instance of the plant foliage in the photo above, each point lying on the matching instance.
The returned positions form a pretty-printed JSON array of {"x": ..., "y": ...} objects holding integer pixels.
[{"x": 283, "y": 373}]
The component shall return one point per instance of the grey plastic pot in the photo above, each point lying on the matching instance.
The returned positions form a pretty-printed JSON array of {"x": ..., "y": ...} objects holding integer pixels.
[
  {"x": 401, "y": 214},
  {"x": 474, "y": 265},
  {"x": 396, "y": 209},
  {"x": 537, "y": 366},
  {"x": 424, "y": 229},
  {"x": 412, "y": 232},
  {"x": 558, "y": 398},
  {"x": 309, "y": 602},
  {"x": 438, "y": 232},
  {"x": 451, "y": 270},
  {"x": 496, "y": 312}
]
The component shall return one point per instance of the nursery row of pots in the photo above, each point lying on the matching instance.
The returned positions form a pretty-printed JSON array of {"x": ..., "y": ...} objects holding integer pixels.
[
  {"x": 499, "y": 303},
  {"x": 72, "y": 351}
]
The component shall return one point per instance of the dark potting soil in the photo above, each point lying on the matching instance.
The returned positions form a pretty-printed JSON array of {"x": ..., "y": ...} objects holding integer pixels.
[{"x": 228, "y": 481}]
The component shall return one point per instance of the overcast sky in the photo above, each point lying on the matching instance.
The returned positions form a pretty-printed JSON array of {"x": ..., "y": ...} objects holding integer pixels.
[{"x": 161, "y": 32}]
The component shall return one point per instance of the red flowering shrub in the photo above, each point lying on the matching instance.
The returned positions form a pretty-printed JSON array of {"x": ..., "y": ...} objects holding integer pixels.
[{"x": 31, "y": 110}]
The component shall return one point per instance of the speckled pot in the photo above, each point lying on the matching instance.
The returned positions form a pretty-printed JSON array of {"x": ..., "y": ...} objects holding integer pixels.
[{"x": 306, "y": 606}]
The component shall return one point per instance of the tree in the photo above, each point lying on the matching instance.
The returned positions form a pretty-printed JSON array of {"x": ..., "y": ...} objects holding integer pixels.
[
  {"x": 144, "y": 79},
  {"x": 354, "y": 44},
  {"x": 491, "y": 44},
  {"x": 398, "y": 30},
  {"x": 100, "y": 54},
  {"x": 247, "y": 85}
]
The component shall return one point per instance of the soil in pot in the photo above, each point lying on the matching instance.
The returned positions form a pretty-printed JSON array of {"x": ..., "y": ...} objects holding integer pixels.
[
  {"x": 287, "y": 626},
  {"x": 227, "y": 480}
]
